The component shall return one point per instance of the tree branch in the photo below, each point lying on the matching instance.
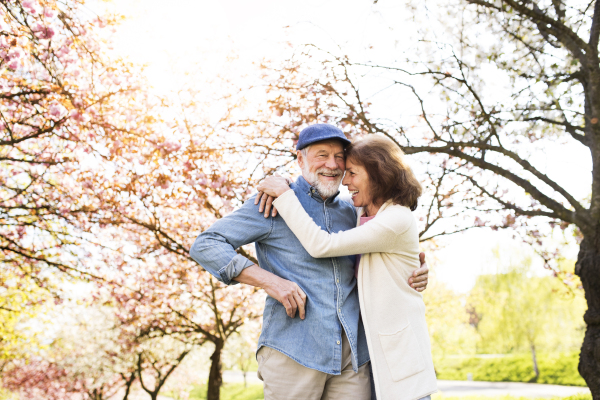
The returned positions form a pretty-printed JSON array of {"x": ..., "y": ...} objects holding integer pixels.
[
  {"x": 571, "y": 129},
  {"x": 510, "y": 206},
  {"x": 595, "y": 29},
  {"x": 565, "y": 35},
  {"x": 552, "y": 204}
]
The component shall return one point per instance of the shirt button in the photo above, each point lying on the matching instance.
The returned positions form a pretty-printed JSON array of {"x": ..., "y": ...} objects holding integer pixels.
[
  {"x": 339, "y": 310},
  {"x": 338, "y": 342},
  {"x": 337, "y": 280}
]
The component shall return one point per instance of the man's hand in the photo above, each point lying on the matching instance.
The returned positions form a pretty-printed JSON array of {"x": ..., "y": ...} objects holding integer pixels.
[
  {"x": 420, "y": 277},
  {"x": 288, "y": 293}
]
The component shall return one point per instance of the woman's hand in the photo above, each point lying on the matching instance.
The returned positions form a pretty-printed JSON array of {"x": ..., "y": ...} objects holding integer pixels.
[
  {"x": 266, "y": 204},
  {"x": 273, "y": 186},
  {"x": 266, "y": 200}
]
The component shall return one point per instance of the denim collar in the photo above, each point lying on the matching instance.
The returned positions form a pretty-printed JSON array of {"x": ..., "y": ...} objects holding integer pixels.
[{"x": 306, "y": 187}]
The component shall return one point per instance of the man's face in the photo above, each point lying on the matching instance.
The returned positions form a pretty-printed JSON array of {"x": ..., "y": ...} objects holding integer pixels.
[{"x": 323, "y": 166}]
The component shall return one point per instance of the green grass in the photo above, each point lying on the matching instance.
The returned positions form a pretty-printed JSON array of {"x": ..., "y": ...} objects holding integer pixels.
[
  {"x": 557, "y": 369},
  {"x": 236, "y": 391},
  {"x": 231, "y": 391}
]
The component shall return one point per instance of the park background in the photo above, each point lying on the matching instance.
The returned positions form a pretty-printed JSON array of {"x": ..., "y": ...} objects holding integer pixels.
[{"x": 130, "y": 126}]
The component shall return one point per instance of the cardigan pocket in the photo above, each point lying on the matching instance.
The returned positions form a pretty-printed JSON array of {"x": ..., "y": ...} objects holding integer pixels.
[{"x": 402, "y": 353}]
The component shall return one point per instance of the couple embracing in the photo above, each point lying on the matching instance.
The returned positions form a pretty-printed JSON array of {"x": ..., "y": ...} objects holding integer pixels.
[{"x": 350, "y": 271}]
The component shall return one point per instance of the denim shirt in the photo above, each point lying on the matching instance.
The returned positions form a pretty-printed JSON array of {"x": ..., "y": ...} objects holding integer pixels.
[{"x": 329, "y": 283}]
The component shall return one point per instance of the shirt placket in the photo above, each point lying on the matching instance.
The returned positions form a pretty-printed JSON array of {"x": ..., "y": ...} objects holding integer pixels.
[{"x": 338, "y": 294}]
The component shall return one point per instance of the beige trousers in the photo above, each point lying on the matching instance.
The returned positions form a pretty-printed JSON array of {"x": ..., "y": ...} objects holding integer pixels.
[{"x": 285, "y": 379}]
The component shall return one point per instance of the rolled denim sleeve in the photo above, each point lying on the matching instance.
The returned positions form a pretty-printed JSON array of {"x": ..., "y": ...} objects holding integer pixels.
[
  {"x": 214, "y": 249},
  {"x": 234, "y": 268}
]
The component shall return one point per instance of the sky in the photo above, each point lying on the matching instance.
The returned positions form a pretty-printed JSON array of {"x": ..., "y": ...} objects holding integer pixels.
[{"x": 183, "y": 36}]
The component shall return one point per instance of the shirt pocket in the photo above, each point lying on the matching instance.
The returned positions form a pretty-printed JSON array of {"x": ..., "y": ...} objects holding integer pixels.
[{"x": 402, "y": 353}]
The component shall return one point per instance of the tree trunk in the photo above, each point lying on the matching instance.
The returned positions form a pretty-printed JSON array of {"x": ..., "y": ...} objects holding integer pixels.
[
  {"x": 536, "y": 371},
  {"x": 95, "y": 394},
  {"x": 128, "y": 383},
  {"x": 244, "y": 373},
  {"x": 215, "y": 377},
  {"x": 588, "y": 269}
]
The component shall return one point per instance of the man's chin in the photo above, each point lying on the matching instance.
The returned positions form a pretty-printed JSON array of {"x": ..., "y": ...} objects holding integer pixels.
[
  {"x": 329, "y": 188},
  {"x": 330, "y": 183}
]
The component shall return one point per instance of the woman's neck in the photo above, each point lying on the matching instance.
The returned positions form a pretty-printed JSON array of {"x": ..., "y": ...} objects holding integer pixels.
[{"x": 371, "y": 209}]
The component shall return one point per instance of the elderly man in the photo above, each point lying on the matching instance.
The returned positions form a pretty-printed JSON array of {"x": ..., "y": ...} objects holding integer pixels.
[{"x": 322, "y": 353}]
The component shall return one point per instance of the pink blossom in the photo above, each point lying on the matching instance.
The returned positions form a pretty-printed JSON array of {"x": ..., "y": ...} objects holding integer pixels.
[
  {"x": 49, "y": 12},
  {"x": 45, "y": 33},
  {"x": 76, "y": 115},
  {"x": 170, "y": 146},
  {"x": 30, "y": 6},
  {"x": 13, "y": 64},
  {"x": 101, "y": 22},
  {"x": 21, "y": 230},
  {"x": 55, "y": 110},
  {"x": 15, "y": 53}
]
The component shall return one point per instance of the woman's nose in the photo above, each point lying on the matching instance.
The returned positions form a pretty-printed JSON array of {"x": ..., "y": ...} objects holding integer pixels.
[{"x": 346, "y": 180}]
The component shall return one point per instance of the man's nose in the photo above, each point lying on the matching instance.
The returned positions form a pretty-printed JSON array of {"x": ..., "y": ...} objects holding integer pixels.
[{"x": 331, "y": 164}]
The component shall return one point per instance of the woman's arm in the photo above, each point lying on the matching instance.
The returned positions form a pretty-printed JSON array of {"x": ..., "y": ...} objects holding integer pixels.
[{"x": 379, "y": 235}]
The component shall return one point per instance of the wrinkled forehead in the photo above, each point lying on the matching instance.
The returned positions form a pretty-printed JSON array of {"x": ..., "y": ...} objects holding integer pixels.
[{"x": 330, "y": 146}]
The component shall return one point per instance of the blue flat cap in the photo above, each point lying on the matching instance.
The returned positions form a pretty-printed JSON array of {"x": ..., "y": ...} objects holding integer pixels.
[{"x": 318, "y": 132}]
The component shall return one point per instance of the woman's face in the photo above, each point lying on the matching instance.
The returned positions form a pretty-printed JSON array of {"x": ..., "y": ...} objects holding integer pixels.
[{"x": 357, "y": 181}]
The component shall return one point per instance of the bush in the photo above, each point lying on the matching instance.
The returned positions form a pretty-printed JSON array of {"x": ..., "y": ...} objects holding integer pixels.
[
  {"x": 6, "y": 395},
  {"x": 579, "y": 397},
  {"x": 558, "y": 369}
]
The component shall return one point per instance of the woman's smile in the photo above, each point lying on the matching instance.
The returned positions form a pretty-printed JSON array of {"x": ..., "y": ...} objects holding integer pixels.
[{"x": 358, "y": 183}]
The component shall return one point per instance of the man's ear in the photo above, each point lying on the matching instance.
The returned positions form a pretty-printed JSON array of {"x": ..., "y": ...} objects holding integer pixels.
[{"x": 300, "y": 158}]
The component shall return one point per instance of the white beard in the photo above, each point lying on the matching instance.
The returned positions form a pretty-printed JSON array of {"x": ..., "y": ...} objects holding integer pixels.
[{"x": 325, "y": 189}]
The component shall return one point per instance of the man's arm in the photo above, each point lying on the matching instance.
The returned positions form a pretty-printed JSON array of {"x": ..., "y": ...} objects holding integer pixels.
[
  {"x": 214, "y": 250},
  {"x": 286, "y": 292}
]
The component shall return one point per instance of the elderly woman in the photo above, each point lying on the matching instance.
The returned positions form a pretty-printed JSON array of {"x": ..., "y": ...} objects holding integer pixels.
[{"x": 385, "y": 190}]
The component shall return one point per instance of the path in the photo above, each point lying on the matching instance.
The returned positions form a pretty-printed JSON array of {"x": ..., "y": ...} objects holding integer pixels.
[
  {"x": 465, "y": 388},
  {"x": 470, "y": 388}
]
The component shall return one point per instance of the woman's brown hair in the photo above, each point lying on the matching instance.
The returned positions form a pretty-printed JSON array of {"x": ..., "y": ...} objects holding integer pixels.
[{"x": 390, "y": 177}]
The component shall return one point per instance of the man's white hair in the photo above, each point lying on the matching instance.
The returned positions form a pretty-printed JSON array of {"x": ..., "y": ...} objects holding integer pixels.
[{"x": 304, "y": 151}]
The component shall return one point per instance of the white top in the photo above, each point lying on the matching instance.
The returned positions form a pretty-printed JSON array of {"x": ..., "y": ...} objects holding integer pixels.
[{"x": 393, "y": 313}]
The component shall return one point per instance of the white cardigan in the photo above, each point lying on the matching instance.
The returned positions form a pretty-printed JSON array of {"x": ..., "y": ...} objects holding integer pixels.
[{"x": 392, "y": 312}]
